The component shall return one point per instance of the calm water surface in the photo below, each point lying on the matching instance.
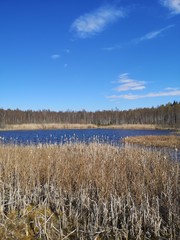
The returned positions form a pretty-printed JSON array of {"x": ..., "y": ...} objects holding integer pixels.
[{"x": 113, "y": 136}]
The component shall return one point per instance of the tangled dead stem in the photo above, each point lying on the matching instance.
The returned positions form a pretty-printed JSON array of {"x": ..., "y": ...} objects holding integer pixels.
[{"x": 88, "y": 191}]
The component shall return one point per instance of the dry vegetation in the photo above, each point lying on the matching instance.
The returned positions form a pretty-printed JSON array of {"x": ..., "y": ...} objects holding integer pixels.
[
  {"x": 87, "y": 191},
  {"x": 33, "y": 126},
  {"x": 172, "y": 141}
]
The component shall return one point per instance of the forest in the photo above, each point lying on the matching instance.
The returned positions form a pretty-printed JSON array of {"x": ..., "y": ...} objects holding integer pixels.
[{"x": 167, "y": 115}]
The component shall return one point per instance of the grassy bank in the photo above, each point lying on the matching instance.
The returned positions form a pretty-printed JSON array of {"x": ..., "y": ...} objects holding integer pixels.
[
  {"x": 76, "y": 126},
  {"x": 87, "y": 191},
  {"x": 34, "y": 126},
  {"x": 155, "y": 141}
]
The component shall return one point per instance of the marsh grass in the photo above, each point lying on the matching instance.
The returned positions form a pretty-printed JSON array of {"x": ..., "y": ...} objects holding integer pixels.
[
  {"x": 171, "y": 141},
  {"x": 87, "y": 191},
  {"x": 33, "y": 126}
]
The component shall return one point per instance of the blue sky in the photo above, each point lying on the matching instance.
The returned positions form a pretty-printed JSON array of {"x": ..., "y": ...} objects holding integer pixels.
[{"x": 92, "y": 55}]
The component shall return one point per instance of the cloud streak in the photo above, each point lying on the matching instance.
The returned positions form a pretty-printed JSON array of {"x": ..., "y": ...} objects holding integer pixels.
[
  {"x": 152, "y": 35},
  {"x": 90, "y": 24},
  {"x": 126, "y": 83},
  {"x": 172, "y": 5},
  {"x": 130, "y": 96},
  {"x": 148, "y": 36},
  {"x": 129, "y": 85}
]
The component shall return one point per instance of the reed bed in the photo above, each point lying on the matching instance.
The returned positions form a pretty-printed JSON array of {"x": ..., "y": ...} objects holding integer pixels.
[
  {"x": 88, "y": 191},
  {"x": 33, "y": 126},
  {"x": 171, "y": 141}
]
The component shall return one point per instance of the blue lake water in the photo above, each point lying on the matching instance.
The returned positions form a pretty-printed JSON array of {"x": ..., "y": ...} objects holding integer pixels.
[{"x": 113, "y": 136}]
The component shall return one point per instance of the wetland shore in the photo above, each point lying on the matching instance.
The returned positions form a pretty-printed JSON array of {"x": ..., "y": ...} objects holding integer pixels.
[{"x": 37, "y": 126}]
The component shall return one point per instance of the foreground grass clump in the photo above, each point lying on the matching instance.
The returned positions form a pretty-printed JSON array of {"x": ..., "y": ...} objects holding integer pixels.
[{"x": 87, "y": 191}]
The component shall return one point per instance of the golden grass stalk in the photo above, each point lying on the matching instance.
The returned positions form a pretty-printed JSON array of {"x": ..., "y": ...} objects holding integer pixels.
[
  {"x": 171, "y": 141},
  {"x": 33, "y": 126},
  {"x": 87, "y": 191}
]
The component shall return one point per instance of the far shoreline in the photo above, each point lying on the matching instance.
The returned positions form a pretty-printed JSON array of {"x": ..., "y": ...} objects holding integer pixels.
[{"x": 58, "y": 126}]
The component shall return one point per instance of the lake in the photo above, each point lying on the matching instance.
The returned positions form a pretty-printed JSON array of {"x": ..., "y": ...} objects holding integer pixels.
[{"x": 113, "y": 136}]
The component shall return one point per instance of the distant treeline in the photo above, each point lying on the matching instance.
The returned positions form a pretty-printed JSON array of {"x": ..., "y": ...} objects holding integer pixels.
[{"x": 164, "y": 115}]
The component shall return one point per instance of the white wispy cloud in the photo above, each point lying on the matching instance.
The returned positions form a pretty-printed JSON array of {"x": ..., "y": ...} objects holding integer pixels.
[
  {"x": 152, "y": 35},
  {"x": 130, "y": 96},
  {"x": 171, "y": 89},
  {"x": 55, "y": 56},
  {"x": 127, "y": 83},
  {"x": 94, "y": 22},
  {"x": 173, "y": 5},
  {"x": 146, "y": 37}
]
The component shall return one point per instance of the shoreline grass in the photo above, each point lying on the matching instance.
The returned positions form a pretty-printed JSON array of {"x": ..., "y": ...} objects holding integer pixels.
[
  {"x": 79, "y": 126},
  {"x": 171, "y": 141},
  {"x": 88, "y": 191}
]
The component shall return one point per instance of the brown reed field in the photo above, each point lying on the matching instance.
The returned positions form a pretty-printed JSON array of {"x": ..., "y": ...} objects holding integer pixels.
[
  {"x": 33, "y": 126},
  {"x": 88, "y": 191},
  {"x": 171, "y": 141}
]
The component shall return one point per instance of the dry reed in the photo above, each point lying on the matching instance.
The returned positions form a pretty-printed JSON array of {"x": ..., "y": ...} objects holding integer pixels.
[
  {"x": 171, "y": 141},
  {"x": 33, "y": 126},
  {"x": 87, "y": 191}
]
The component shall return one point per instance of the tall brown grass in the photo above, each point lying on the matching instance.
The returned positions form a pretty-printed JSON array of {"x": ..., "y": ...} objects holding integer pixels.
[
  {"x": 88, "y": 191},
  {"x": 171, "y": 141},
  {"x": 32, "y": 126}
]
